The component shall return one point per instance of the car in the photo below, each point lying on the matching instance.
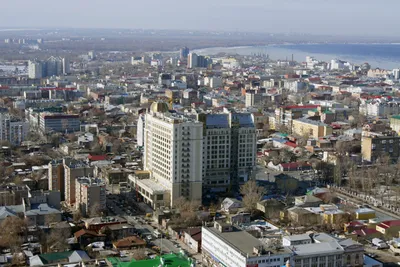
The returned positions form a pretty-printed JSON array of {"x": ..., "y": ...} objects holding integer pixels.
[{"x": 176, "y": 245}]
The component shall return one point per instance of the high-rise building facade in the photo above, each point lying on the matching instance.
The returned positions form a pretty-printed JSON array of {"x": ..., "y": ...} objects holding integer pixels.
[
  {"x": 90, "y": 195},
  {"x": 35, "y": 69},
  {"x": 140, "y": 130},
  {"x": 63, "y": 123},
  {"x": 183, "y": 53},
  {"x": 192, "y": 60},
  {"x": 229, "y": 149},
  {"x": 74, "y": 169},
  {"x": 173, "y": 148},
  {"x": 53, "y": 66}
]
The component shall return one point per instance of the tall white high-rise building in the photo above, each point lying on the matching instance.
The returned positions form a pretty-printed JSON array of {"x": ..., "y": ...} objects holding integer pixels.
[
  {"x": 65, "y": 66},
  {"x": 35, "y": 69},
  {"x": 173, "y": 150},
  {"x": 396, "y": 74},
  {"x": 192, "y": 60},
  {"x": 140, "y": 130}
]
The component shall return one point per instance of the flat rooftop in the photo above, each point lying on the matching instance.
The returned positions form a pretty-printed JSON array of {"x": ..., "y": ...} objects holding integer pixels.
[
  {"x": 317, "y": 248},
  {"x": 152, "y": 185},
  {"x": 243, "y": 241}
]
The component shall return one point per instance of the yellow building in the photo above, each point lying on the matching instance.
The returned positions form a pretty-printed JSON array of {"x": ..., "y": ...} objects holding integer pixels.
[
  {"x": 365, "y": 214},
  {"x": 315, "y": 129},
  {"x": 395, "y": 123}
]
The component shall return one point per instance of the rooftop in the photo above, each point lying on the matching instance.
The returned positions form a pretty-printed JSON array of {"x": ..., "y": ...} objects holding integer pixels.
[
  {"x": 170, "y": 260},
  {"x": 242, "y": 241},
  {"x": 317, "y": 248}
]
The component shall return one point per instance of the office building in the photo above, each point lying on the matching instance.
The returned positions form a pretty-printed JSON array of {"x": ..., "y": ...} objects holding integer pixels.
[
  {"x": 183, "y": 53},
  {"x": 12, "y": 130},
  {"x": 65, "y": 66},
  {"x": 229, "y": 149},
  {"x": 90, "y": 195},
  {"x": 61, "y": 123},
  {"x": 225, "y": 245},
  {"x": 173, "y": 147},
  {"x": 215, "y": 82},
  {"x": 374, "y": 145},
  {"x": 192, "y": 60},
  {"x": 253, "y": 98},
  {"x": 73, "y": 169}
]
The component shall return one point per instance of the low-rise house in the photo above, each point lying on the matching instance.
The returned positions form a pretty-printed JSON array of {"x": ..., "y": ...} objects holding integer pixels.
[
  {"x": 192, "y": 238},
  {"x": 76, "y": 256},
  {"x": 130, "y": 242},
  {"x": 231, "y": 205},
  {"x": 84, "y": 237},
  {"x": 96, "y": 223},
  {"x": 365, "y": 214},
  {"x": 389, "y": 228},
  {"x": 270, "y": 207},
  {"x": 308, "y": 201},
  {"x": 42, "y": 214},
  {"x": 119, "y": 231}
]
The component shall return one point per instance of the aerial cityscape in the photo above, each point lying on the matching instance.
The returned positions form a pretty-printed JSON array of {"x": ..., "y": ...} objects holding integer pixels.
[{"x": 146, "y": 144}]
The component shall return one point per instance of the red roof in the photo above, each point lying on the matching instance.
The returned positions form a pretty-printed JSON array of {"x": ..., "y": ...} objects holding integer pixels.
[
  {"x": 293, "y": 165},
  {"x": 291, "y": 144},
  {"x": 366, "y": 231},
  {"x": 4, "y": 87},
  {"x": 388, "y": 224},
  {"x": 57, "y": 89},
  {"x": 97, "y": 157},
  {"x": 302, "y": 107}
]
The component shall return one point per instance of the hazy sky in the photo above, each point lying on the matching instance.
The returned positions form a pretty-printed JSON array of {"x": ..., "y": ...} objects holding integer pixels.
[{"x": 361, "y": 17}]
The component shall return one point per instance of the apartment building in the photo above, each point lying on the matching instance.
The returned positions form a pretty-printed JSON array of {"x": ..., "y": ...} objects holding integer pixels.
[
  {"x": 12, "y": 130},
  {"x": 74, "y": 169},
  {"x": 56, "y": 177},
  {"x": 12, "y": 195},
  {"x": 225, "y": 245},
  {"x": 63, "y": 123},
  {"x": 314, "y": 129},
  {"x": 285, "y": 115},
  {"x": 380, "y": 107},
  {"x": 173, "y": 148},
  {"x": 374, "y": 145},
  {"x": 90, "y": 195}
]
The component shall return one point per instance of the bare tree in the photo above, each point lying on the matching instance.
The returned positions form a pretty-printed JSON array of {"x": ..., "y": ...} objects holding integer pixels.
[
  {"x": 252, "y": 194},
  {"x": 139, "y": 254},
  {"x": 15, "y": 230}
]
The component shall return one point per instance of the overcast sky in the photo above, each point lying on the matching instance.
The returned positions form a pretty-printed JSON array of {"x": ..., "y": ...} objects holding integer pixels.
[{"x": 360, "y": 17}]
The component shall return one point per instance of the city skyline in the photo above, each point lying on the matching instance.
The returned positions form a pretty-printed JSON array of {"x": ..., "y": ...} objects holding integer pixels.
[{"x": 288, "y": 16}]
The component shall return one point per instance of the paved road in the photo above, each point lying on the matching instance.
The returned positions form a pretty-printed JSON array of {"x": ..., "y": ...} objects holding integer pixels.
[{"x": 355, "y": 200}]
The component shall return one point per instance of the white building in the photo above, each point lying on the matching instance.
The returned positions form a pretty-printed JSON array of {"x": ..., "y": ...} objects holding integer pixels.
[
  {"x": 192, "y": 60},
  {"x": 35, "y": 69},
  {"x": 90, "y": 195},
  {"x": 380, "y": 107},
  {"x": 224, "y": 245},
  {"x": 173, "y": 149},
  {"x": 396, "y": 74},
  {"x": 12, "y": 130},
  {"x": 66, "y": 68},
  {"x": 140, "y": 130},
  {"x": 321, "y": 249}
]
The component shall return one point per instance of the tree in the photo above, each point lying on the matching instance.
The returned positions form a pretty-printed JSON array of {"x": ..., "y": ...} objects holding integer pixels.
[
  {"x": 139, "y": 254},
  {"x": 14, "y": 233},
  {"x": 252, "y": 194}
]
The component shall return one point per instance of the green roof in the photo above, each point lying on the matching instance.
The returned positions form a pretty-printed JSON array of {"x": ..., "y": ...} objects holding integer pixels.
[
  {"x": 396, "y": 117},
  {"x": 170, "y": 260},
  {"x": 56, "y": 256}
]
